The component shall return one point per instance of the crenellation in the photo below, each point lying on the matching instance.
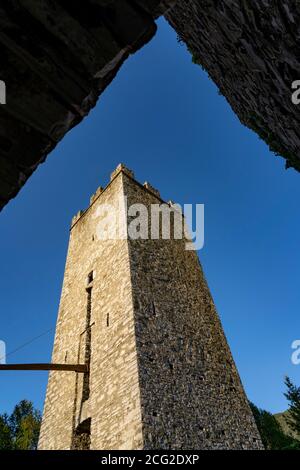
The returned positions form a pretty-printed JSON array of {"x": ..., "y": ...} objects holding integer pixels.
[
  {"x": 121, "y": 168},
  {"x": 150, "y": 188},
  {"x": 96, "y": 195},
  {"x": 76, "y": 217}
]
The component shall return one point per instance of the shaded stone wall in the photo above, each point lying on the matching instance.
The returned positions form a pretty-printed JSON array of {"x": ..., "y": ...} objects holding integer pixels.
[
  {"x": 161, "y": 373},
  {"x": 57, "y": 57},
  {"x": 251, "y": 49},
  {"x": 191, "y": 393}
]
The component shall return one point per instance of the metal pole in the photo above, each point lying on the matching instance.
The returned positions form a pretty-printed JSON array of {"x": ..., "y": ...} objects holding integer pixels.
[{"x": 81, "y": 368}]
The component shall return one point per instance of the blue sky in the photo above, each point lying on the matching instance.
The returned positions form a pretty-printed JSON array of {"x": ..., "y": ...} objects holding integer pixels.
[{"x": 164, "y": 118}]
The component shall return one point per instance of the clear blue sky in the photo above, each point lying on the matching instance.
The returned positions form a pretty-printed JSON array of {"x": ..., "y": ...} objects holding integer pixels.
[{"x": 164, "y": 118}]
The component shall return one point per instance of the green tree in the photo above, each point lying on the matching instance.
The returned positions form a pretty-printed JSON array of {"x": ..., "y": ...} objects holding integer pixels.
[
  {"x": 6, "y": 442},
  {"x": 293, "y": 396},
  {"x": 20, "y": 430},
  {"x": 272, "y": 435}
]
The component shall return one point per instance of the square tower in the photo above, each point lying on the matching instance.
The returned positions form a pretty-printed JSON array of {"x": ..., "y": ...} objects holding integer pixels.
[{"x": 139, "y": 312}]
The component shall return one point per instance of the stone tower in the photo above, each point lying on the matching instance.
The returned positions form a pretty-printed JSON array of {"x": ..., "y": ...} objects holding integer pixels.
[{"x": 139, "y": 312}]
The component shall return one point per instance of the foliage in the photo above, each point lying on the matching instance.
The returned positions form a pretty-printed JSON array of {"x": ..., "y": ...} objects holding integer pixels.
[
  {"x": 254, "y": 122},
  {"x": 5, "y": 433},
  {"x": 20, "y": 430},
  {"x": 293, "y": 396},
  {"x": 271, "y": 433}
]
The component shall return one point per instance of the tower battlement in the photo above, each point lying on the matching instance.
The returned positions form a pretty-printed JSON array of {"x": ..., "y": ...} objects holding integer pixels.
[{"x": 121, "y": 168}]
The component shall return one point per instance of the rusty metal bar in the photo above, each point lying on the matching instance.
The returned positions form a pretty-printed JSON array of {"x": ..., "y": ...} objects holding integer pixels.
[{"x": 82, "y": 368}]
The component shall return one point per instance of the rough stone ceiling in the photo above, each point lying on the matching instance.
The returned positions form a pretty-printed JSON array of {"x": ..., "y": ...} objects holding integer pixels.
[
  {"x": 57, "y": 56},
  {"x": 251, "y": 49}
]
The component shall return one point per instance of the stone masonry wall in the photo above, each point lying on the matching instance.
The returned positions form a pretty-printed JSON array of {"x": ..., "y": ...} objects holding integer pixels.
[
  {"x": 251, "y": 49},
  {"x": 57, "y": 57},
  {"x": 192, "y": 396},
  {"x": 114, "y": 402}
]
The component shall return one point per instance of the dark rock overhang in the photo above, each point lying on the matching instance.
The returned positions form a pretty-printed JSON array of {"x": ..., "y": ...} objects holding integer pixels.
[
  {"x": 251, "y": 50},
  {"x": 57, "y": 57}
]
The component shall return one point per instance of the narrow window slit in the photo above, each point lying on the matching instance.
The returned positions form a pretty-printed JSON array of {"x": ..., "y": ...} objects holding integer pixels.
[
  {"x": 88, "y": 341},
  {"x": 90, "y": 277}
]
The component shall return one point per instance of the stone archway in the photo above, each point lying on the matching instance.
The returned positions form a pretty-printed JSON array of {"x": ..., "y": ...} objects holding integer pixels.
[{"x": 57, "y": 57}]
